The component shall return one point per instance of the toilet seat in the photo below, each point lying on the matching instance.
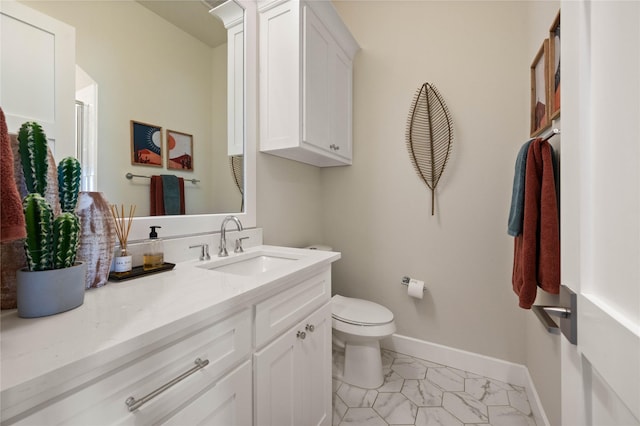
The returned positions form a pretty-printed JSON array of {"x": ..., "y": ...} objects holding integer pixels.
[{"x": 359, "y": 312}]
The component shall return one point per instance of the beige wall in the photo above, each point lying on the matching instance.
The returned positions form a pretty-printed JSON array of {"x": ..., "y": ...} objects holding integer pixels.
[
  {"x": 289, "y": 201},
  {"x": 378, "y": 212}
]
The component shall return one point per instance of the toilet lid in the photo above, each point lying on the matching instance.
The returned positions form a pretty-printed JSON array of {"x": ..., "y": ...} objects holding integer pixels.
[{"x": 358, "y": 311}]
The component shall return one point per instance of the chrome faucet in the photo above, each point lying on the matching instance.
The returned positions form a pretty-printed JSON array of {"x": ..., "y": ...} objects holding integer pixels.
[{"x": 223, "y": 235}]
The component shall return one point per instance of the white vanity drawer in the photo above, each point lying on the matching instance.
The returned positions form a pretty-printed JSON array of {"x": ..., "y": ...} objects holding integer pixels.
[
  {"x": 279, "y": 312},
  {"x": 102, "y": 401}
]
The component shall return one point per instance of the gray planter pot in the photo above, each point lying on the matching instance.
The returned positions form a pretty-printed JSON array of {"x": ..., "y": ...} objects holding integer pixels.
[{"x": 43, "y": 293}]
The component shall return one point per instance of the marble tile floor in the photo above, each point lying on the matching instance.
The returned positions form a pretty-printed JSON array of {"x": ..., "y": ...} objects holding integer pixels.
[{"x": 423, "y": 393}]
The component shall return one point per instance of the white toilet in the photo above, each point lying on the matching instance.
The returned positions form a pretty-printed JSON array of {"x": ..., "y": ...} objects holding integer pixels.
[{"x": 358, "y": 326}]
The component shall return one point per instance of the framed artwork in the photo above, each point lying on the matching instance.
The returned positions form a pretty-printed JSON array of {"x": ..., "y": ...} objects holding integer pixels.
[
  {"x": 539, "y": 90},
  {"x": 180, "y": 147},
  {"x": 146, "y": 144},
  {"x": 554, "y": 68}
]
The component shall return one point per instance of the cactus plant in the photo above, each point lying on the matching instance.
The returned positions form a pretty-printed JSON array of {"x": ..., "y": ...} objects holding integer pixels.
[
  {"x": 50, "y": 243},
  {"x": 32, "y": 146},
  {"x": 68, "y": 183},
  {"x": 66, "y": 232},
  {"x": 39, "y": 219}
]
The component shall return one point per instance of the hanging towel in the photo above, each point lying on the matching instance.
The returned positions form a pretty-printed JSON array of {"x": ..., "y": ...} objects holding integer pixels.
[
  {"x": 13, "y": 226},
  {"x": 167, "y": 195},
  {"x": 517, "y": 196},
  {"x": 173, "y": 194},
  {"x": 536, "y": 260}
]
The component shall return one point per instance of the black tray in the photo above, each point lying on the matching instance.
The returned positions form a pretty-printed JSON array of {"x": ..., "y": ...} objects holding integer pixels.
[{"x": 139, "y": 271}]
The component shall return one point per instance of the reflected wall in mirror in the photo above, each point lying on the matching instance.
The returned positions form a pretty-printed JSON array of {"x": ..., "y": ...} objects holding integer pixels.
[{"x": 133, "y": 64}]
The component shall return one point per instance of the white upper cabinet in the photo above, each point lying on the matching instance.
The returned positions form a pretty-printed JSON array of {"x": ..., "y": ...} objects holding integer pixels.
[{"x": 306, "y": 72}]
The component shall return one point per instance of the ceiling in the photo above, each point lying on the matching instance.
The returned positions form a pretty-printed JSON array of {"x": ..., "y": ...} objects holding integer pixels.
[{"x": 192, "y": 17}]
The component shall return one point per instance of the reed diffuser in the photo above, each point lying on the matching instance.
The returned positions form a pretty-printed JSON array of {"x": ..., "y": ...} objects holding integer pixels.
[{"x": 123, "y": 262}]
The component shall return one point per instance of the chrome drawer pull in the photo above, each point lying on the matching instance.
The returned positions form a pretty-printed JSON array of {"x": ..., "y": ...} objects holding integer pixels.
[{"x": 134, "y": 404}]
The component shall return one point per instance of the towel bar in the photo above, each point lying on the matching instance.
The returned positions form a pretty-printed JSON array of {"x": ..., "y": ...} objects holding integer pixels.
[
  {"x": 131, "y": 176},
  {"x": 567, "y": 314},
  {"x": 550, "y": 134}
]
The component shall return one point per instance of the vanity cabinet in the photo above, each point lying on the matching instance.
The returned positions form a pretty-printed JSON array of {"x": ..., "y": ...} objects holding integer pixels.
[
  {"x": 264, "y": 360},
  {"x": 306, "y": 72},
  {"x": 102, "y": 400}
]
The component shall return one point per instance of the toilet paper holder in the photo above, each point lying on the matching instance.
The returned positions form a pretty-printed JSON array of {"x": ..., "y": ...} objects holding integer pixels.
[{"x": 405, "y": 281}]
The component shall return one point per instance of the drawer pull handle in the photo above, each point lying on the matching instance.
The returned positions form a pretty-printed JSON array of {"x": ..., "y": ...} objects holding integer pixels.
[
  {"x": 310, "y": 328},
  {"x": 301, "y": 335},
  {"x": 134, "y": 404}
]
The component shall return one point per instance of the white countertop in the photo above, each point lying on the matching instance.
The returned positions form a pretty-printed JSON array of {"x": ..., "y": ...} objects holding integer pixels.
[{"x": 124, "y": 316}]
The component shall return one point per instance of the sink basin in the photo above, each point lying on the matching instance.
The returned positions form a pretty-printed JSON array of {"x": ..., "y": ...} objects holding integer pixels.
[{"x": 255, "y": 264}]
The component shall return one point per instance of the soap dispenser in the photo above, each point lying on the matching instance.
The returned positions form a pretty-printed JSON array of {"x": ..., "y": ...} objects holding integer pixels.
[{"x": 154, "y": 256}]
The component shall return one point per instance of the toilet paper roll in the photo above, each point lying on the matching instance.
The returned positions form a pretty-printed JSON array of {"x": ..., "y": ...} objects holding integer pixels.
[{"x": 415, "y": 288}]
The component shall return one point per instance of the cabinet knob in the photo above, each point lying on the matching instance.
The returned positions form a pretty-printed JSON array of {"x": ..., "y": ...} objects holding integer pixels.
[
  {"x": 334, "y": 147},
  {"x": 310, "y": 328},
  {"x": 301, "y": 335}
]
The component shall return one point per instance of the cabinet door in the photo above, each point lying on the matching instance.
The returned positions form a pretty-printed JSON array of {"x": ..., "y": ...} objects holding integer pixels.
[
  {"x": 235, "y": 89},
  {"x": 340, "y": 118},
  {"x": 293, "y": 375},
  {"x": 228, "y": 402},
  {"x": 316, "y": 367},
  {"x": 316, "y": 81},
  {"x": 276, "y": 380},
  {"x": 279, "y": 76}
]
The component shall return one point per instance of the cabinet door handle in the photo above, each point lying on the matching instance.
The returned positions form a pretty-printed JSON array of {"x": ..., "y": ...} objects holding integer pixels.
[
  {"x": 301, "y": 335},
  {"x": 134, "y": 404},
  {"x": 310, "y": 328}
]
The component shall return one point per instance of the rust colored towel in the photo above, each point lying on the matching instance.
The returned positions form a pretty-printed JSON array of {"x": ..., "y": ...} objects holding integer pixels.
[
  {"x": 157, "y": 196},
  {"x": 536, "y": 261},
  {"x": 12, "y": 224}
]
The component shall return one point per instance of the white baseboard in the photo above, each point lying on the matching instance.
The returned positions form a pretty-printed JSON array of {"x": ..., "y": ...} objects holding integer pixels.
[{"x": 483, "y": 365}]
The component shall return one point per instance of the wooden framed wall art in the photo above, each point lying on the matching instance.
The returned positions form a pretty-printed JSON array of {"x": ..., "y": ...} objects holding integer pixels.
[
  {"x": 539, "y": 90},
  {"x": 146, "y": 144},
  {"x": 180, "y": 147},
  {"x": 554, "y": 68}
]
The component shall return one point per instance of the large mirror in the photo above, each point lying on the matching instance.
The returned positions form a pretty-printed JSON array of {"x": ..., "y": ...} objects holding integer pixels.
[{"x": 161, "y": 64}]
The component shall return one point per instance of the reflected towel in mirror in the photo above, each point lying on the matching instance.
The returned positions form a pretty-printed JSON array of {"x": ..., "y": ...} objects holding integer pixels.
[{"x": 167, "y": 195}]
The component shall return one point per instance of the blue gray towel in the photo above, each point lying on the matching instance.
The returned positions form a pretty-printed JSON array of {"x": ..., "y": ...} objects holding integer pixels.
[
  {"x": 171, "y": 194},
  {"x": 516, "y": 214}
]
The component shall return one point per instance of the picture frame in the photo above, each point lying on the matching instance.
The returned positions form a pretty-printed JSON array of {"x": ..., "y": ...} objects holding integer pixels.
[
  {"x": 554, "y": 68},
  {"x": 180, "y": 151},
  {"x": 146, "y": 144},
  {"x": 539, "y": 90}
]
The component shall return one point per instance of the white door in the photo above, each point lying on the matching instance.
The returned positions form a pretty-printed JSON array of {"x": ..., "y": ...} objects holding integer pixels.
[
  {"x": 37, "y": 69},
  {"x": 600, "y": 207}
]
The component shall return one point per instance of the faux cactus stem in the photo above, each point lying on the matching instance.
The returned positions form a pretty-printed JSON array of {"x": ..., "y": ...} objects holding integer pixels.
[
  {"x": 66, "y": 232},
  {"x": 68, "y": 183},
  {"x": 32, "y": 145},
  {"x": 38, "y": 217}
]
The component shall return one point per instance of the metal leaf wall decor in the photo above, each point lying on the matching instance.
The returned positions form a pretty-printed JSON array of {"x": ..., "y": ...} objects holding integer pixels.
[{"x": 429, "y": 136}]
